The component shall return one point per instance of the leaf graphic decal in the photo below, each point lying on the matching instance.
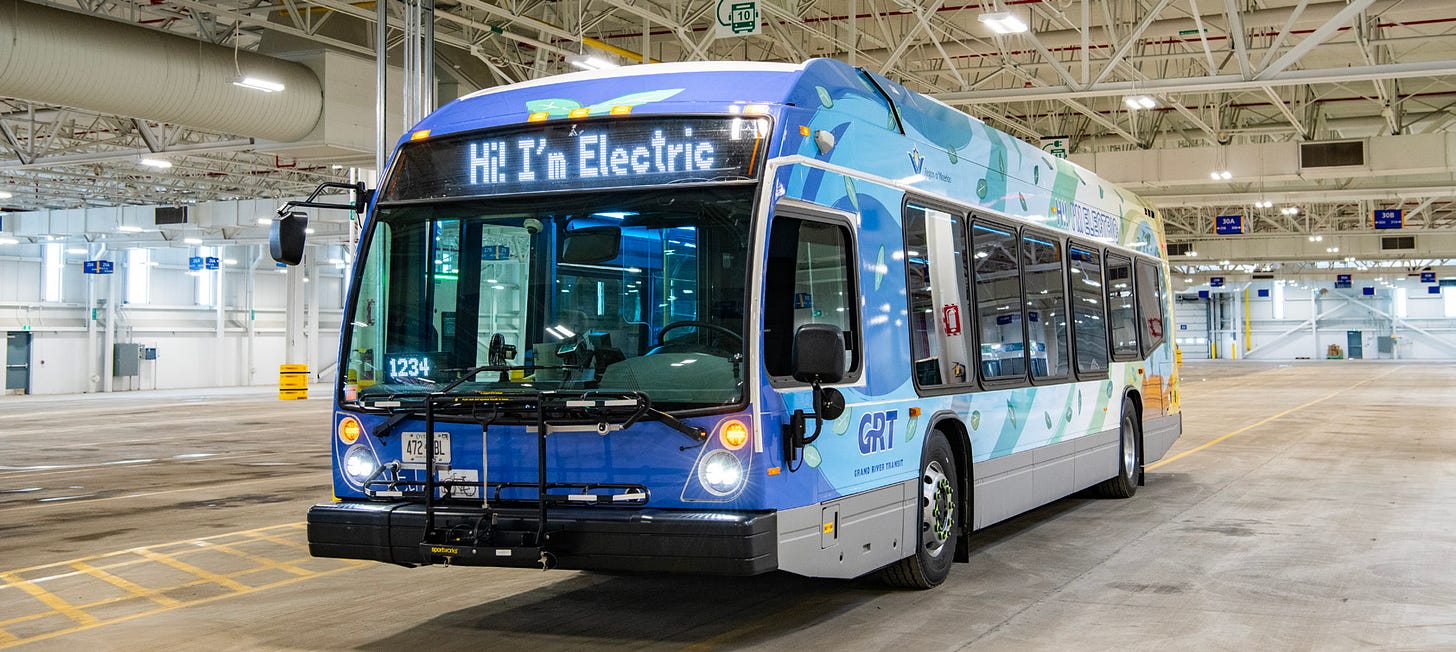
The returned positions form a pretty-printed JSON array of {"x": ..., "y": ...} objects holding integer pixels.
[
  {"x": 634, "y": 99},
  {"x": 557, "y": 107}
]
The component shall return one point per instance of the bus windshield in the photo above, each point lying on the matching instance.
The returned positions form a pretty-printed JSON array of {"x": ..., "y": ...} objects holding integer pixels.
[{"x": 638, "y": 290}]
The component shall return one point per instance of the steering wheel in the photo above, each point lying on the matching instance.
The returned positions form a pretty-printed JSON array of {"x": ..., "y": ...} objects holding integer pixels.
[{"x": 662, "y": 340}]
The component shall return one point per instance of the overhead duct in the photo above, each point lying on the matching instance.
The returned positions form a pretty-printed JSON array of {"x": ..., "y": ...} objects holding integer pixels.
[{"x": 58, "y": 57}]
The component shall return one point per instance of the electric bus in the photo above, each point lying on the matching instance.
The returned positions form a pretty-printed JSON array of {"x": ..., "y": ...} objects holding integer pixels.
[{"x": 731, "y": 318}]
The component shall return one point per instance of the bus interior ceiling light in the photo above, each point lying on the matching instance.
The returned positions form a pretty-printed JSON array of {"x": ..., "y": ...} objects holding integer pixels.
[
  {"x": 160, "y": 164},
  {"x": 1003, "y": 22},
  {"x": 1136, "y": 102},
  {"x": 258, "y": 84}
]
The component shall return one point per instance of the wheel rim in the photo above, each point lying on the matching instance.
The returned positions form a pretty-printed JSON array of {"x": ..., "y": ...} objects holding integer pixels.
[
  {"x": 938, "y": 512},
  {"x": 1129, "y": 450}
]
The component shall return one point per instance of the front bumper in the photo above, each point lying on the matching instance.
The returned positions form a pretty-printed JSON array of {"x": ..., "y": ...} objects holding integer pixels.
[{"x": 613, "y": 539}]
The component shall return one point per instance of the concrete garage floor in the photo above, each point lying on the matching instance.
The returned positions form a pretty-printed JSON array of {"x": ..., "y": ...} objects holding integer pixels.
[{"x": 1307, "y": 506}]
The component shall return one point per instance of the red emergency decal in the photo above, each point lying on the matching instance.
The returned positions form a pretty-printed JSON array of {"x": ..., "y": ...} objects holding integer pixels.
[{"x": 951, "y": 315}]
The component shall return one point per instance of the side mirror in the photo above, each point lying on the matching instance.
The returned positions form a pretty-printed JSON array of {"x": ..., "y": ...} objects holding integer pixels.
[
  {"x": 818, "y": 358},
  {"x": 591, "y": 245},
  {"x": 818, "y": 355},
  {"x": 286, "y": 237}
]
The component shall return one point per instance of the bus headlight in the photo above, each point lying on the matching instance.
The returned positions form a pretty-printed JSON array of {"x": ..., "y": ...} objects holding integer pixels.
[
  {"x": 359, "y": 464},
  {"x": 720, "y": 473}
]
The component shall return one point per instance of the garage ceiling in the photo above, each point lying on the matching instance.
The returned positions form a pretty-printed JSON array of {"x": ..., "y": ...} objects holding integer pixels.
[{"x": 1222, "y": 74}]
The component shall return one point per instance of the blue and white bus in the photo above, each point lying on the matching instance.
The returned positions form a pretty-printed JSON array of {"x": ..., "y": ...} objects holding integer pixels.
[{"x": 734, "y": 318}]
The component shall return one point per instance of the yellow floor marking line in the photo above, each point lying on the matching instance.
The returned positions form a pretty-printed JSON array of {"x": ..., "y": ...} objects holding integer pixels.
[
  {"x": 165, "y": 554},
  {"x": 55, "y": 602},
  {"x": 194, "y": 570},
  {"x": 136, "y": 590},
  {"x": 215, "y": 598},
  {"x": 259, "y": 560},
  {"x": 1168, "y": 460}
]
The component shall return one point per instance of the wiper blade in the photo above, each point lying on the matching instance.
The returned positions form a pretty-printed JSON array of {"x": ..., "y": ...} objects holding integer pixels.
[{"x": 476, "y": 371}]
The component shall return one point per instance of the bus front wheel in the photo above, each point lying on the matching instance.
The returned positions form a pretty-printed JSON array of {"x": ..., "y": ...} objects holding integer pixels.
[
  {"x": 940, "y": 518},
  {"x": 1124, "y": 484}
]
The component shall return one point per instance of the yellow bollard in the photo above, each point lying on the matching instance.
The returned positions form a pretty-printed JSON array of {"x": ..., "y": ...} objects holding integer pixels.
[{"x": 292, "y": 382}]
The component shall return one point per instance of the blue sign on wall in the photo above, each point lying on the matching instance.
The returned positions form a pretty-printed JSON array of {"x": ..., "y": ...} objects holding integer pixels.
[
  {"x": 1369, "y": 292},
  {"x": 212, "y": 262},
  {"x": 495, "y": 252},
  {"x": 1263, "y": 293},
  {"x": 195, "y": 263},
  {"x": 96, "y": 267},
  {"x": 803, "y": 300},
  {"x": 1203, "y": 294},
  {"x": 1389, "y": 218},
  {"x": 1428, "y": 277},
  {"x": 1342, "y": 280},
  {"x": 1434, "y": 289},
  {"x": 89, "y": 267},
  {"x": 1229, "y": 225},
  {"x": 1215, "y": 282}
]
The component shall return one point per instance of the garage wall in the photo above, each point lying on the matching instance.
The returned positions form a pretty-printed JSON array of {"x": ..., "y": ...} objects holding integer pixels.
[
  {"x": 1424, "y": 333},
  {"x": 189, "y": 351}
]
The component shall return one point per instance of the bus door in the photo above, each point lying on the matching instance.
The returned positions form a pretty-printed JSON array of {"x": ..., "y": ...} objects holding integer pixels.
[{"x": 809, "y": 279}]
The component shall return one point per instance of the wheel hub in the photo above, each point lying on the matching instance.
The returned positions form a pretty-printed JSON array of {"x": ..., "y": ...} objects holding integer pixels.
[{"x": 938, "y": 513}]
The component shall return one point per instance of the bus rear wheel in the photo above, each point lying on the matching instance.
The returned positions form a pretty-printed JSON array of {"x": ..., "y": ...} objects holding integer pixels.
[
  {"x": 940, "y": 518},
  {"x": 1124, "y": 484}
]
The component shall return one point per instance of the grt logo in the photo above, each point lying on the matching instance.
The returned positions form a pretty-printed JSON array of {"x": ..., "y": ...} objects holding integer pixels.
[{"x": 877, "y": 431}]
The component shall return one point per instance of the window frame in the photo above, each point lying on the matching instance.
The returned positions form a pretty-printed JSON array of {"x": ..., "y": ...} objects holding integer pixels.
[
  {"x": 1145, "y": 348},
  {"x": 970, "y": 328},
  {"x": 1101, "y": 253},
  {"x": 1112, "y": 354},
  {"x": 1060, "y": 240},
  {"x": 854, "y": 342},
  {"x": 1008, "y": 382}
]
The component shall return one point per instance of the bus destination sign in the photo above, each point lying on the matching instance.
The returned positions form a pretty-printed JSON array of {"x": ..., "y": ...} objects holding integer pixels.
[{"x": 607, "y": 153}]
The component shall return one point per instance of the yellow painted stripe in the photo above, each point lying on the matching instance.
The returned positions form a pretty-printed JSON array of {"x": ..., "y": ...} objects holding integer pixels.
[
  {"x": 7, "y": 639},
  {"x": 215, "y": 598},
  {"x": 55, "y": 602},
  {"x": 1168, "y": 460},
  {"x": 124, "y": 584},
  {"x": 193, "y": 570},
  {"x": 189, "y": 543},
  {"x": 261, "y": 561}
]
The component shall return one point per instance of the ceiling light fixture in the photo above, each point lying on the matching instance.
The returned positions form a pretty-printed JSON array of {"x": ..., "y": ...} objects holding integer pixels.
[
  {"x": 1136, "y": 102},
  {"x": 1220, "y": 175},
  {"x": 192, "y": 241},
  {"x": 267, "y": 86},
  {"x": 1003, "y": 22},
  {"x": 5, "y": 195},
  {"x": 593, "y": 63},
  {"x": 126, "y": 228},
  {"x": 76, "y": 250},
  {"x": 160, "y": 164}
]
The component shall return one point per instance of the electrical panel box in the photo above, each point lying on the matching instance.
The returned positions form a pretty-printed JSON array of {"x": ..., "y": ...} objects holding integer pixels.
[{"x": 126, "y": 359}]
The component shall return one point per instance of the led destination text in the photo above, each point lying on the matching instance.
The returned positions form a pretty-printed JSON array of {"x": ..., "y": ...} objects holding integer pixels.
[
  {"x": 566, "y": 156},
  {"x": 497, "y": 161}
]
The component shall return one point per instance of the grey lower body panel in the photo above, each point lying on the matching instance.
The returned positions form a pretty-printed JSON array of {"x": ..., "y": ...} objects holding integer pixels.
[
  {"x": 1009, "y": 485},
  {"x": 850, "y": 536},
  {"x": 1159, "y": 433}
]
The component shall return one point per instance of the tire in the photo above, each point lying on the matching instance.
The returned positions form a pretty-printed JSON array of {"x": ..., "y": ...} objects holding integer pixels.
[
  {"x": 940, "y": 521},
  {"x": 1130, "y": 456}
]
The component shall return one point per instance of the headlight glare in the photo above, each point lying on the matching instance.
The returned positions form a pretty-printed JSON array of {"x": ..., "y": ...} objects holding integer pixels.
[
  {"x": 359, "y": 464},
  {"x": 721, "y": 473}
]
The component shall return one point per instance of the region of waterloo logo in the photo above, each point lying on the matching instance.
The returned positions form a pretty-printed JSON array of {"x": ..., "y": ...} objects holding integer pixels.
[{"x": 917, "y": 160}]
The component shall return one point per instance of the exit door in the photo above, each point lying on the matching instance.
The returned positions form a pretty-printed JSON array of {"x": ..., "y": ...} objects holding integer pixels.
[
  {"x": 1353, "y": 341},
  {"x": 17, "y": 363}
]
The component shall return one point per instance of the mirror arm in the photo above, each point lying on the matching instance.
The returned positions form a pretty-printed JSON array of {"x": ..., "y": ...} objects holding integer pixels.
[
  {"x": 794, "y": 431},
  {"x": 361, "y": 198}
]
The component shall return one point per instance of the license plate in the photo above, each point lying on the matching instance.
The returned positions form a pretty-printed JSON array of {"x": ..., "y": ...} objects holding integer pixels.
[{"x": 414, "y": 447}]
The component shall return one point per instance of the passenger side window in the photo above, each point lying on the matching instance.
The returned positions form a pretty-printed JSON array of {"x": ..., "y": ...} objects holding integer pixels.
[
  {"x": 998, "y": 302},
  {"x": 934, "y": 278},
  {"x": 809, "y": 280},
  {"x": 1046, "y": 308},
  {"x": 1150, "y": 304},
  {"x": 1121, "y": 311},
  {"x": 1089, "y": 328}
]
